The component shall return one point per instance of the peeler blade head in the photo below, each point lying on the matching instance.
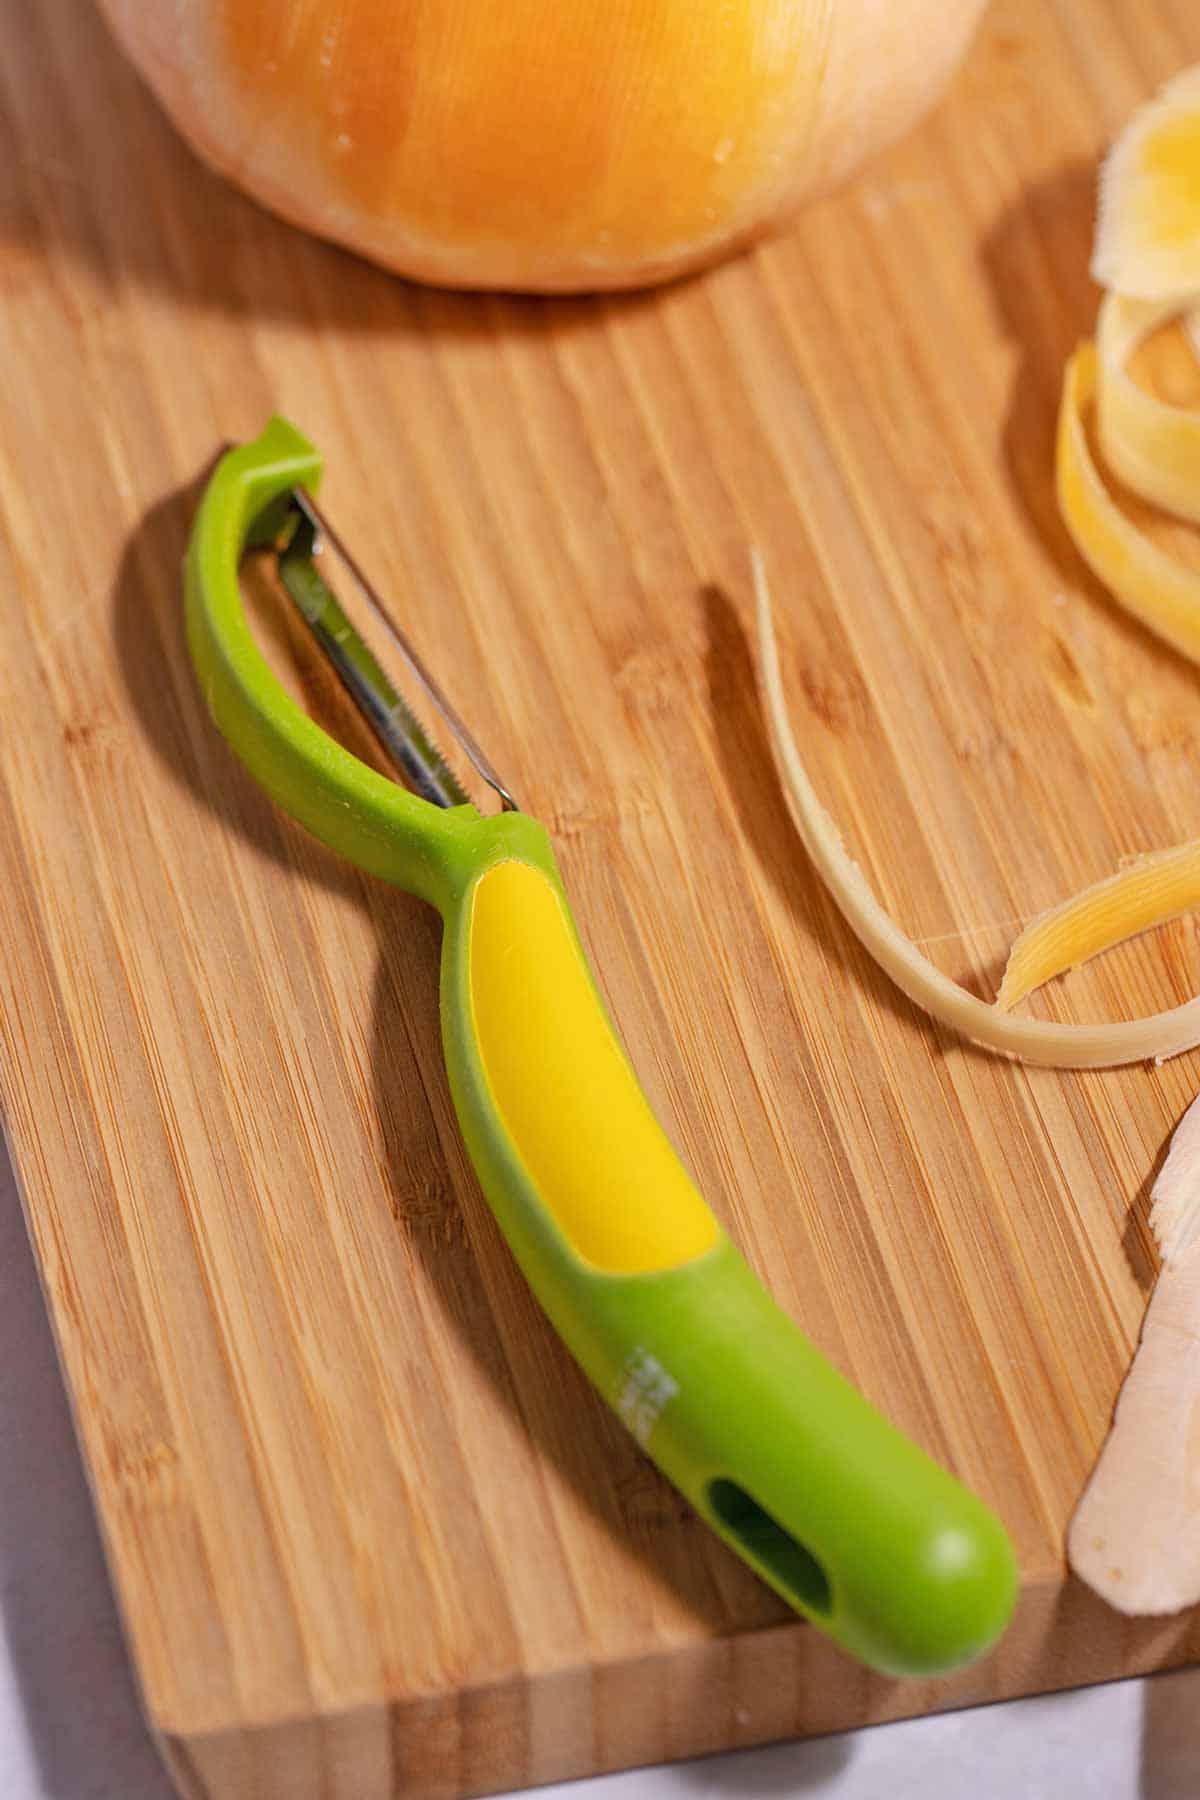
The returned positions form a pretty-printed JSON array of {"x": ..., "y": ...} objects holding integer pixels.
[{"x": 407, "y": 744}]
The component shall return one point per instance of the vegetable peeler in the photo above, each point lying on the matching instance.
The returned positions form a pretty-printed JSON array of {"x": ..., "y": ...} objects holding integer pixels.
[{"x": 843, "y": 1516}]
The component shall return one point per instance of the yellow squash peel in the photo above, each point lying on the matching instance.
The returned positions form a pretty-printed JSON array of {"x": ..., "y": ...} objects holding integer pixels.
[
  {"x": 541, "y": 145},
  {"x": 1049, "y": 946},
  {"x": 1148, "y": 253},
  {"x": 1163, "y": 593},
  {"x": 1147, "y": 892},
  {"x": 1149, "y": 245}
]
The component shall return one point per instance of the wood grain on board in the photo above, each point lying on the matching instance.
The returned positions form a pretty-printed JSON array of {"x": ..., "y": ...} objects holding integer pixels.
[{"x": 370, "y": 1531}]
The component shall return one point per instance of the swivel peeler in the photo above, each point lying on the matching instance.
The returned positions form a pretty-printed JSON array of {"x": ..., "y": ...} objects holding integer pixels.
[{"x": 842, "y": 1515}]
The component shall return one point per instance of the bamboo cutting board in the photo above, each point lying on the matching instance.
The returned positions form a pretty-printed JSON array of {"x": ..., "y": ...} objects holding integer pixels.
[{"x": 370, "y": 1531}]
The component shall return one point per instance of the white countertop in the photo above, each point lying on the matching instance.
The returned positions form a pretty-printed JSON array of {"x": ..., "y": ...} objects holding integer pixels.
[{"x": 70, "y": 1727}]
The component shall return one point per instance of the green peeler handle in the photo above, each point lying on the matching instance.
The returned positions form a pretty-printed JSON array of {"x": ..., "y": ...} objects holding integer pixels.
[
  {"x": 847, "y": 1519},
  {"x": 854, "y": 1525}
]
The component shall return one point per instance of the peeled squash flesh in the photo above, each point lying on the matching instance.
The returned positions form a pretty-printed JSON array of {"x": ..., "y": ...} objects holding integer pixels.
[
  {"x": 540, "y": 144},
  {"x": 1148, "y": 255}
]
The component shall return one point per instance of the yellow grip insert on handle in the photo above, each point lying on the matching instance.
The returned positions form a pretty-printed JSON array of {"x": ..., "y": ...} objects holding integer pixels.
[{"x": 563, "y": 1089}]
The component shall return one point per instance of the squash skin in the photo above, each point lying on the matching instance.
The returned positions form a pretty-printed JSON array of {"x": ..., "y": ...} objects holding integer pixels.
[{"x": 542, "y": 145}]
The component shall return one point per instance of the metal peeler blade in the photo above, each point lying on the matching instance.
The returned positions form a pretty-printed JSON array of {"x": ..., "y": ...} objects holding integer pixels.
[{"x": 408, "y": 745}]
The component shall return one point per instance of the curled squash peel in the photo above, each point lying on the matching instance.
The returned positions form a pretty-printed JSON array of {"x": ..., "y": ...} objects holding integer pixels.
[{"x": 1149, "y": 240}]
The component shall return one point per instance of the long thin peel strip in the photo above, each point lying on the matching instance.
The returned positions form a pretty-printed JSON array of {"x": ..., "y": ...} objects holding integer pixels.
[
  {"x": 1041, "y": 1041},
  {"x": 1155, "y": 449},
  {"x": 1157, "y": 589}
]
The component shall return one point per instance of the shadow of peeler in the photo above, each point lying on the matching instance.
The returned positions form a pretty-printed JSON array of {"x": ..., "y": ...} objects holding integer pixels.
[{"x": 842, "y": 1515}]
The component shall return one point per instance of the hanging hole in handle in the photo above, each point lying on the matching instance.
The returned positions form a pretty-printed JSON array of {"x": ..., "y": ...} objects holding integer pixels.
[{"x": 768, "y": 1544}]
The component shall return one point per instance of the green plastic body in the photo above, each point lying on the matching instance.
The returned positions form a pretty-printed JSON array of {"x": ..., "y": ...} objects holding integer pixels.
[{"x": 846, "y": 1518}]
